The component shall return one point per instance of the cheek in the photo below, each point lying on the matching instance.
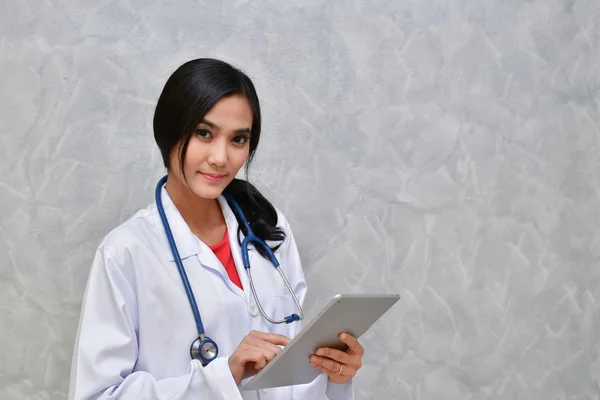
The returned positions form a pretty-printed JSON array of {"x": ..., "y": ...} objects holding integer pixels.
[
  {"x": 191, "y": 157},
  {"x": 195, "y": 155},
  {"x": 174, "y": 161},
  {"x": 240, "y": 157}
]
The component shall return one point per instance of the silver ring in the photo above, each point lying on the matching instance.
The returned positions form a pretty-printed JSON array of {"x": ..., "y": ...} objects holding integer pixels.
[{"x": 340, "y": 371}]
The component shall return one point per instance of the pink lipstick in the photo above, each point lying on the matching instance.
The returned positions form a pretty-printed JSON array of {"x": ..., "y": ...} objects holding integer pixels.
[{"x": 212, "y": 177}]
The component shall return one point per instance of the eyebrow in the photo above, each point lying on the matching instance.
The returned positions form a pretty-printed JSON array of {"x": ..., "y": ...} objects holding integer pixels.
[{"x": 214, "y": 126}]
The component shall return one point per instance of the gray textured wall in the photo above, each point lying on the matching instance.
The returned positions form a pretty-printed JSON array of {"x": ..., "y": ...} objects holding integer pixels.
[{"x": 445, "y": 149}]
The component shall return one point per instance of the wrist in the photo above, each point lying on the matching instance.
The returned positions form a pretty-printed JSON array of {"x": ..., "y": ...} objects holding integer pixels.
[{"x": 236, "y": 370}]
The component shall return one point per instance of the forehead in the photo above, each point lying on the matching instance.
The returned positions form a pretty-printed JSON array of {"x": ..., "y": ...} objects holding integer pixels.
[{"x": 231, "y": 112}]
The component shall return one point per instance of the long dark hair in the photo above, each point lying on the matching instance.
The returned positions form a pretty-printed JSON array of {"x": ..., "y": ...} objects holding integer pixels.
[{"x": 190, "y": 92}]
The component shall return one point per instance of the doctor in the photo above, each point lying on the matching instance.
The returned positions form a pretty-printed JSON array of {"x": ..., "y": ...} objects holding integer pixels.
[{"x": 137, "y": 321}]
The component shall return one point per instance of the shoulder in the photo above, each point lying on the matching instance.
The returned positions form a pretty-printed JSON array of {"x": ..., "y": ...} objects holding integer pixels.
[
  {"x": 282, "y": 221},
  {"x": 136, "y": 233},
  {"x": 288, "y": 249},
  {"x": 284, "y": 224}
]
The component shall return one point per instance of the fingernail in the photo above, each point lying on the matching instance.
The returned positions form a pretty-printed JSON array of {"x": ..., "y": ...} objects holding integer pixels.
[
  {"x": 343, "y": 336},
  {"x": 320, "y": 352}
]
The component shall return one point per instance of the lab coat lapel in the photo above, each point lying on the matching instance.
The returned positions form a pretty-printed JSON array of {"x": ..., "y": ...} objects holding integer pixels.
[
  {"x": 185, "y": 240},
  {"x": 209, "y": 260},
  {"x": 236, "y": 249},
  {"x": 189, "y": 245}
]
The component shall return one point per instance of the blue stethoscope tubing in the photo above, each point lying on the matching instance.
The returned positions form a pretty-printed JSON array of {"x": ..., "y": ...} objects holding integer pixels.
[{"x": 204, "y": 348}]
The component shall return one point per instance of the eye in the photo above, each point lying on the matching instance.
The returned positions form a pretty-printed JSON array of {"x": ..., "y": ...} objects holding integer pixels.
[
  {"x": 203, "y": 133},
  {"x": 241, "y": 139}
]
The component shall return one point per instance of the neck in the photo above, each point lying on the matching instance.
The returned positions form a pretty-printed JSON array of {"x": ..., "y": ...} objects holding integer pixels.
[{"x": 201, "y": 215}]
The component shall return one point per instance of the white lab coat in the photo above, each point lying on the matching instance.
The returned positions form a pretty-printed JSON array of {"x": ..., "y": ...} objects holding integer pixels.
[{"x": 136, "y": 324}]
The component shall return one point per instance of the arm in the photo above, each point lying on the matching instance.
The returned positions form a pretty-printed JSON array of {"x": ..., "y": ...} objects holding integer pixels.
[
  {"x": 291, "y": 257},
  {"x": 106, "y": 349}
]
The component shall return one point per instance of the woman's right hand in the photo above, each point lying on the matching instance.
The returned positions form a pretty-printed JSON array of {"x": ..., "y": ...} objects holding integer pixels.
[{"x": 254, "y": 352}]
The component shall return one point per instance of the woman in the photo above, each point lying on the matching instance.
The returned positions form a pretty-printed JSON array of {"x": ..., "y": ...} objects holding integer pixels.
[{"x": 137, "y": 325}]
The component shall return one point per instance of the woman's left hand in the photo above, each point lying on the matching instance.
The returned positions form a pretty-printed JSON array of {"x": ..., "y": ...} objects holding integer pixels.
[{"x": 338, "y": 365}]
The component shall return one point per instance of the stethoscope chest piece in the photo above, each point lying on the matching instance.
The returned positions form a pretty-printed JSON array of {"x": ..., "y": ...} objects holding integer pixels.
[{"x": 204, "y": 350}]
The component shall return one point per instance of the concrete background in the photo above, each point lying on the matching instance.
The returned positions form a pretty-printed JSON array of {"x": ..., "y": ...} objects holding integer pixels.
[{"x": 447, "y": 150}]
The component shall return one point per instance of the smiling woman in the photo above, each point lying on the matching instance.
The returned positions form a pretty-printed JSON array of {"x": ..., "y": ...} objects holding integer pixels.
[
  {"x": 215, "y": 153},
  {"x": 186, "y": 252},
  {"x": 209, "y": 113}
]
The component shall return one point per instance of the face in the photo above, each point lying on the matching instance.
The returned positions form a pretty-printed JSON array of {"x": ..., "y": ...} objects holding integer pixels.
[{"x": 218, "y": 148}]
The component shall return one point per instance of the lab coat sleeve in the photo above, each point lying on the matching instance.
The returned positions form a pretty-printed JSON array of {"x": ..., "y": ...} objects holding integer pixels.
[
  {"x": 106, "y": 348},
  {"x": 344, "y": 391},
  {"x": 292, "y": 258}
]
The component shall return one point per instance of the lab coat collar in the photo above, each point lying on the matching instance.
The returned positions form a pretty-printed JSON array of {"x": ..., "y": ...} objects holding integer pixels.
[
  {"x": 185, "y": 240},
  {"x": 235, "y": 237},
  {"x": 236, "y": 249},
  {"x": 187, "y": 243}
]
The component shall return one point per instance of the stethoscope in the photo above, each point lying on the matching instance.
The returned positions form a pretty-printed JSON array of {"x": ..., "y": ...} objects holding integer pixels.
[{"x": 204, "y": 348}]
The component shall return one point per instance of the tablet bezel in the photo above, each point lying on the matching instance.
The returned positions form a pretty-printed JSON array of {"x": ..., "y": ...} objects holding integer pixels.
[{"x": 338, "y": 316}]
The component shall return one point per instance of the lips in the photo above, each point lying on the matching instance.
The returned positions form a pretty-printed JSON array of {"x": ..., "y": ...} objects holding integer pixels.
[{"x": 212, "y": 177}]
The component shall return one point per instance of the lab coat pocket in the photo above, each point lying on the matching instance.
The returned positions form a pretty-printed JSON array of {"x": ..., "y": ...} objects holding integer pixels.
[{"x": 277, "y": 308}]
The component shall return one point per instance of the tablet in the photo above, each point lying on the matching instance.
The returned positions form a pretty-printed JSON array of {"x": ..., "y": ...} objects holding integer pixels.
[{"x": 351, "y": 313}]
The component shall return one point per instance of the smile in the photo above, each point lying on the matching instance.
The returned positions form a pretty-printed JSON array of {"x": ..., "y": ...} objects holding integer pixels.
[{"x": 212, "y": 177}]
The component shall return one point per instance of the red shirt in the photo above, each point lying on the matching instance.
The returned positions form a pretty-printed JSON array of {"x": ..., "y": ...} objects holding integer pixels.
[{"x": 223, "y": 252}]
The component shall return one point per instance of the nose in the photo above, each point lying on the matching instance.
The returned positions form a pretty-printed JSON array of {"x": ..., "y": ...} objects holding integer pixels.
[{"x": 218, "y": 154}]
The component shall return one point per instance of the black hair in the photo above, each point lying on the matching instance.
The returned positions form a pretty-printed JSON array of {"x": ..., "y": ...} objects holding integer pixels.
[{"x": 190, "y": 92}]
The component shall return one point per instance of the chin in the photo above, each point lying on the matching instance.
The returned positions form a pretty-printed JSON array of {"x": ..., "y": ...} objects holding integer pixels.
[
  {"x": 208, "y": 193},
  {"x": 207, "y": 190}
]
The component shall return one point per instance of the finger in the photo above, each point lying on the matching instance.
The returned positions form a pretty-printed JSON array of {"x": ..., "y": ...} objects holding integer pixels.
[
  {"x": 347, "y": 371},
  {"x": 251, "y": 369},
  {"x": 260, "y": 364},
  {"x": 273, "y": 338},
  {"x": 269, "y": 350},
  {"x": 337, "y": 355},
  {"x": 331, "y": 366},
  {"x": 253, "y": 356},
  {"x": 353, "y": 343},
  {"x": 323, "y": 369}
]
